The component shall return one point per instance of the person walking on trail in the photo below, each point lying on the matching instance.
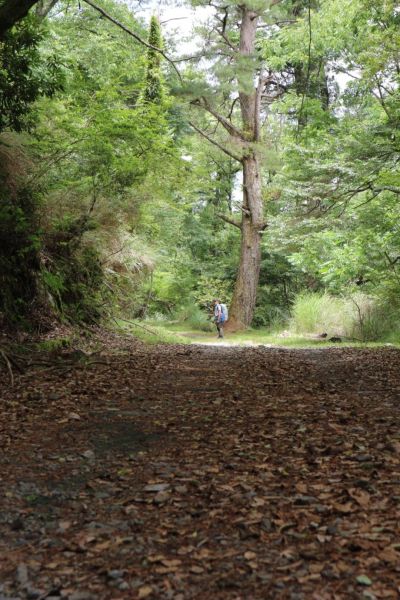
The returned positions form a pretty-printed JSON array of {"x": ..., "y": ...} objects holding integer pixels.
[{"x": 220, "y": 317}]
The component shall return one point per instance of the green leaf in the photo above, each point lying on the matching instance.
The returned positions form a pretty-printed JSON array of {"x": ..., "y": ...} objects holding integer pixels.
[{"x": 363, "y": 580}]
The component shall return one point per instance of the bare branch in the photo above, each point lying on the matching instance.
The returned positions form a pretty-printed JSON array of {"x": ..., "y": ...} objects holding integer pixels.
[
  {"x": 388, "y": 188},
  {"x": 391, "y": 261},
  {"x": 230, "y": 221},
  {"x": 173, "y": 19},
  {"x": 228, "y": 125},
  {"x": 215, "y": 143},
  {"x": 227, "y": 41},
  {"x": 232, "y": 107},
  {"x": 134, "y": 35}
]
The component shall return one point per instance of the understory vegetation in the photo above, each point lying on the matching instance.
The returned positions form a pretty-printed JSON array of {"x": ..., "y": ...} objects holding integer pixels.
[{"x": 121, "y": 181}]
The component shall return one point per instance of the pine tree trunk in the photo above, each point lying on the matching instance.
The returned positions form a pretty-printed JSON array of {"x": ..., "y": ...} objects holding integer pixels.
[{"x": 245, "y": 292}]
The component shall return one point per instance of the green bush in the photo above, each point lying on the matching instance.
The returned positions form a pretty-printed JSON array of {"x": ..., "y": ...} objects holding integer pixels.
[
  {"x": 374, "y": 320},
  {"x": 19, "y": 256},
  {"x": 194, "y": 317},
  {"x": 271, "y": 316}
]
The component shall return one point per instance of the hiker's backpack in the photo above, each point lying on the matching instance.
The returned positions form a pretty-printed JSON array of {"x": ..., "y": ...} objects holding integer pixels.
[{"x": 224, "y": 311}]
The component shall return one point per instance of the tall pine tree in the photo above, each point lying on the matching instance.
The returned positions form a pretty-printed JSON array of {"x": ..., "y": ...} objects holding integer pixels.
[{"x": 153, "y": 91}]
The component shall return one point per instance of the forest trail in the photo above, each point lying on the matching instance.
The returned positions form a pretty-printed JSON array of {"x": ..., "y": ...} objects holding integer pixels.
[{"x": 179, "y": 472}]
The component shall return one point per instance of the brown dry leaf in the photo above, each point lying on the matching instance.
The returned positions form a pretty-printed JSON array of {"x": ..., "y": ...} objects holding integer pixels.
[
  {"x": 396, "y": 446},
  {"x": 203, "y": 553},
  {"x": 174, "y": 562},
  {"x": 165, "y": 570},
  {"x": 145, "y": 591},
  {"x": 197, "y": 570},
  {"x": 155, "y": 558},
  {"x": 316, "y": 568},
  {"x": 361, "y": 497},
  {"x": 250, "y": 555},
  {"x": 389, "y": 555},
  {"x": 257, "y": 502},
  {"x": 102, "y": 546},
  {"x": 343, "y": 508},
  {"x": 185, "y": 550},
  {"x": 66, "y": 571},
  {"x": 64, "y": 525},
  {"x": 342, "y": 566},
  {"x": 307, "y": 578},
  {"x": 301, "y": 488},
  {"x": 254, "y": 517}
]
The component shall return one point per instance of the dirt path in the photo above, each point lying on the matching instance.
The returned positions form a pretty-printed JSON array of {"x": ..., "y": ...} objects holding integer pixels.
[{"x": 199, "y": 472}]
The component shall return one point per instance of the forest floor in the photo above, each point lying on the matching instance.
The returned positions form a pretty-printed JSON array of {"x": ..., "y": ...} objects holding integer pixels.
[{"x": 180, "y": 472}]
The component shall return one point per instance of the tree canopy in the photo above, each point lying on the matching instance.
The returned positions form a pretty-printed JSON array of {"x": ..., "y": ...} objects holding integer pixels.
[{"x": 140, "y": 179}]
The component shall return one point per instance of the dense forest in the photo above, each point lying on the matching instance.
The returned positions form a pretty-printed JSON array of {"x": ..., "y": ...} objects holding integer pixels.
[
  {"x": 161, "y": 163},
  {"x": 147, "y": 168}
]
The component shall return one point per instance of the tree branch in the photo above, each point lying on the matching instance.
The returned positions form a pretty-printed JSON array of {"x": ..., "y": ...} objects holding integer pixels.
[
  {"x": 12, "y": 11},
  {"x": 228, "y": 220},
  {"x": 134, "y": 35},
  {"x": 215, "y": 143},
  {"x": 230, "y": 127},
  {"x": 43, "y": 8}
]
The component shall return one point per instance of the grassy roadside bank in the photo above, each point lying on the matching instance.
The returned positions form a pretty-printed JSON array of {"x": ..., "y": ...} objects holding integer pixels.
[{"x": 177, "y": 333}]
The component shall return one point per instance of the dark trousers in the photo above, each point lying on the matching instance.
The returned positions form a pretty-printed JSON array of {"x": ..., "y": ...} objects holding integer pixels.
[{"x": 220, "y": 328}]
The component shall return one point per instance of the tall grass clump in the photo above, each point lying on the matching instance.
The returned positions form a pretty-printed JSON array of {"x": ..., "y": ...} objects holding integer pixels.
[
  {"x": 357, "y": 316},
  {"x": 321, "y": 313}
]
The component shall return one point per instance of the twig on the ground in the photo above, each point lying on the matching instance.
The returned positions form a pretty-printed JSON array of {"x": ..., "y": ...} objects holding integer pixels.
[
  {"x": 9, "y": 367},
  {"x": 136, "y": 325}
]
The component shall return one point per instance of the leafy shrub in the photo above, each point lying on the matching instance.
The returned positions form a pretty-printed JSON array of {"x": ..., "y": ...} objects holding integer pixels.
[
  {"x": 19, "y": 261},
  {"x": 209, "y": 288},
  {"x": 373, "y": 320},
  {"x": 271, "y": 316},
  {"x": 194, "y": 317}
]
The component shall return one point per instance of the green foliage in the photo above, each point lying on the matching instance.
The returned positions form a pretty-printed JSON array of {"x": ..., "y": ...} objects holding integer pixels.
[
  {"x": 194, "y": 317},
  {"x": 25, "y": 74},
  {"x": 209, "y": 288},
  {"x": 153, "y": 91},
  {"x": 358, "y": 316},
  {"x": 111, "y": 206},
  {"x": 74, "y": 280},
  {"x": 321, "y": 313},
  {"x": 52, "y": 345},
  {"x": 19, "y": 243}
]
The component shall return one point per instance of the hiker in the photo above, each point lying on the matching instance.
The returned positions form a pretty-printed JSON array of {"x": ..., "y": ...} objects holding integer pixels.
[{"x": 220, "y": 316}]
